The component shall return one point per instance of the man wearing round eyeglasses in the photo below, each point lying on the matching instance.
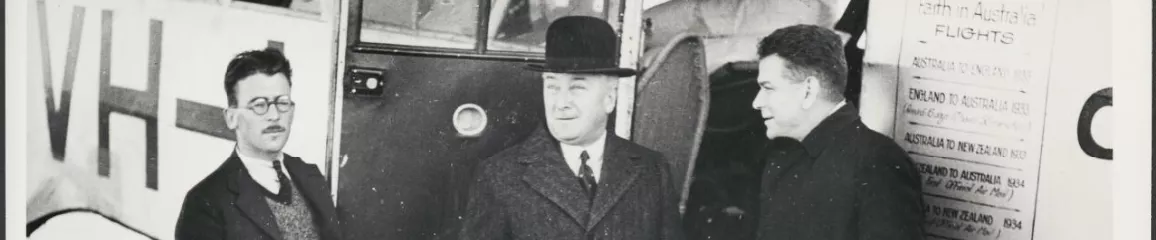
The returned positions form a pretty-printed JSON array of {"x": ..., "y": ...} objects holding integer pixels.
[{"x": 259, "y": 192}]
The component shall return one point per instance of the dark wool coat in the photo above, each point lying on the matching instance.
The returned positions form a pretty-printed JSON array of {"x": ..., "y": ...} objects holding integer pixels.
[
  {"x": 843, "y": 181},
  {"x": 528, "y": 192},
  {"x": 229, "y": 204}
]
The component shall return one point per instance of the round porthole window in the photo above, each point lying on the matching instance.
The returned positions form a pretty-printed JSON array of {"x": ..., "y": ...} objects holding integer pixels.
[{"x": 469, "y": 120}]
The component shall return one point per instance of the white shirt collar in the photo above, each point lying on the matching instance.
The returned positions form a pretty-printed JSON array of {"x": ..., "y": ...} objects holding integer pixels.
[
  {"x": 571, "y": 154},
  {"x": 262, "y": 171},
  {"x": 837, "y": 107}
]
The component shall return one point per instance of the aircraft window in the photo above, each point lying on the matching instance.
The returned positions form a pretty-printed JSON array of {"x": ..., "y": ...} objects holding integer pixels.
[
  {"x": 424, "y": 23},
  {"x": 276, "y": 3},
  {"x": 312, "y": 7},
  {"x": 520, "y": 25}
]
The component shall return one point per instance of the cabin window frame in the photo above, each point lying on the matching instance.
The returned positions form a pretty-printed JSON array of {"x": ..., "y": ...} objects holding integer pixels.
[
  {"x": 282, "y": 11},
  {"x": 614, "y": 10}
]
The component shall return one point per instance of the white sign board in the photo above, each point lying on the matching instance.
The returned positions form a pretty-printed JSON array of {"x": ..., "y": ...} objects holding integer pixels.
[{"x": 970, "y": 110}]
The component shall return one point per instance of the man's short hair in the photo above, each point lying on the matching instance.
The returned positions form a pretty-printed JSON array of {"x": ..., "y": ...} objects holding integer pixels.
[
  {"x": 269, "y": 62},
  {"x": 810, "y": 50}
]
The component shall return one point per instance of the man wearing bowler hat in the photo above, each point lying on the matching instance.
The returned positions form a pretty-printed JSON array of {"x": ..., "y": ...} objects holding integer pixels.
[{"x": 573, "y": 179}]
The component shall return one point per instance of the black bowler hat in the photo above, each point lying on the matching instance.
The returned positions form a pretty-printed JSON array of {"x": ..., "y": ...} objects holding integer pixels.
[{"x": 581, "y": 44}]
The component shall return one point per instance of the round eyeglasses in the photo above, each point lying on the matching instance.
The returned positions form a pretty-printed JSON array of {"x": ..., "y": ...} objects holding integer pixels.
[{"x": 260, "y": 105}]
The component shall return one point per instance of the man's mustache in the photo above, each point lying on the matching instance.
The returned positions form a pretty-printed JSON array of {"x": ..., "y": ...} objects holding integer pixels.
[{"x": 273, "y": 129}]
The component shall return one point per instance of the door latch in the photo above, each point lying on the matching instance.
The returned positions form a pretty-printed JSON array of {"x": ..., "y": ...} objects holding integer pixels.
[{"x": 366, "y": 82}]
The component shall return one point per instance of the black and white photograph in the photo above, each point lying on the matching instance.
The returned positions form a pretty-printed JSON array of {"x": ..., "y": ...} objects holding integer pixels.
[{"x": 578, "y": 119}]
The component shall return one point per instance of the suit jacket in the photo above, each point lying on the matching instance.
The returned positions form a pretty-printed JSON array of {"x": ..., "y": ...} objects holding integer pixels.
[
  {"x": 843, "y": 181},
  {"x": 528, "y": 192},
  {"x": 229, "y": 204}
]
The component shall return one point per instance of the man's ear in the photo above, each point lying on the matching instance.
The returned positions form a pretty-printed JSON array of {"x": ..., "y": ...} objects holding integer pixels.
[
  {"x": 230, "y": 118},
  {"x": 811, "y": 91}
]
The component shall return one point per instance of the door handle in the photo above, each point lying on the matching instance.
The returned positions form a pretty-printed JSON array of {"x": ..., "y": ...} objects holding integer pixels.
[
  {"x": 365, "y": 82},
  {"x": 469, "y": 120}
]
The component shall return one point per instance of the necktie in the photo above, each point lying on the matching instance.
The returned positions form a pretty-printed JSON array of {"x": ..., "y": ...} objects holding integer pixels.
[
  {"x": 284, "y": 195},
  {"x": 586, "y": 176}
]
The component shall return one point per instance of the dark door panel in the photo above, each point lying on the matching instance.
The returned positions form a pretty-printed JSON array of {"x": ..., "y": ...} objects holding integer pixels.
[{"x": 408, "y": 169}]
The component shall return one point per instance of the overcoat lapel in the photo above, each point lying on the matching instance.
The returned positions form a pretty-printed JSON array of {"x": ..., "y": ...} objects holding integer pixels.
[
  {"x": 250, "y": 200},
  {"x": 620, "y": 169},
  {"x": 547, "y": 173}
]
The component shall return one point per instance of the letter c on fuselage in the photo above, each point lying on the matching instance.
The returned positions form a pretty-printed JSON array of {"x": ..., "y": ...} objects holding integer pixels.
[{"x": 1098, "y": 100}]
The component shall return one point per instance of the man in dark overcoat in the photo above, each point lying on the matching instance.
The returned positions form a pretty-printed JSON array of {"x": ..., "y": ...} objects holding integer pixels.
[
  {"x": 574, "y": 179},
  {"x": 828, "y": 176}
]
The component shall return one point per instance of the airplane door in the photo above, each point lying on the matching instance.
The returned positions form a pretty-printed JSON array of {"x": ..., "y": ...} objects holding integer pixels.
[
  {"x": 671, "y": 107},
  {"x": 431, "y": 87}
]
